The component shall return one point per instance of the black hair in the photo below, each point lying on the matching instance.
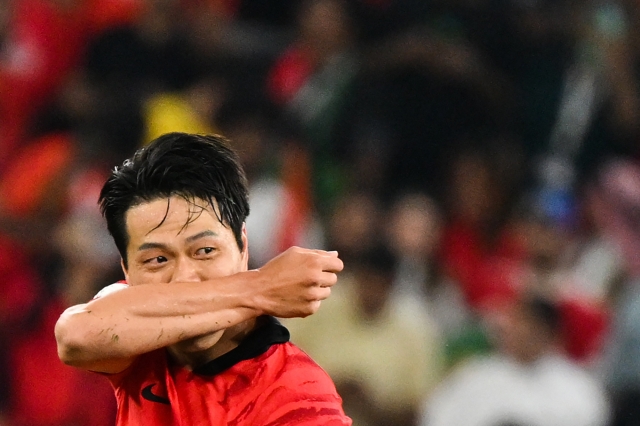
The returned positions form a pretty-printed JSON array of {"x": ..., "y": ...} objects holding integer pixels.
[
  {"x": 378, "y": 258},
  {"x": 177, "y": 164},
  {"x": 545, "y": 311}
]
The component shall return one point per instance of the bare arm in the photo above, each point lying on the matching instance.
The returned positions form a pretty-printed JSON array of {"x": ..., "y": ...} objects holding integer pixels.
[{"x": 106, "y": 334}]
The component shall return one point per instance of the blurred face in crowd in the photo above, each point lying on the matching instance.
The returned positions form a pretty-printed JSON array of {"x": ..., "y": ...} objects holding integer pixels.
[
  {"x": 521, "y": 335},
  {"x": 373, "y": 288},
  {"x": 325, "y": 25},
  {"x": 474, "y": 196},
  {"x": 249, "y": 137},
  {"x": 414, "y": 226},
  {"x": 353, "y": 224}
]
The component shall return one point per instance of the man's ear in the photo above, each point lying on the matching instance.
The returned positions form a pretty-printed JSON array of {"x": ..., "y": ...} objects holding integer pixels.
[
  {"x": 245, "y": 247},
  {"x": 124, "y": 270}
]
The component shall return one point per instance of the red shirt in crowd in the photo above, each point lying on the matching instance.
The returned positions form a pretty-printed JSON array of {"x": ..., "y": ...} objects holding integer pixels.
[
  {"x": 44, "y": 391},
  {"x": 487, "y": 277}
]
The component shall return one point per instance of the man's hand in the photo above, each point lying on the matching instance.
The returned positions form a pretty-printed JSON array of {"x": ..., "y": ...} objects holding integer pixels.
[{"x": 294, "y": 283}]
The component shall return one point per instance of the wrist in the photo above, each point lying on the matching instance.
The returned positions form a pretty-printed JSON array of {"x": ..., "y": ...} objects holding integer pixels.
[{"x": 253, "y": 286}]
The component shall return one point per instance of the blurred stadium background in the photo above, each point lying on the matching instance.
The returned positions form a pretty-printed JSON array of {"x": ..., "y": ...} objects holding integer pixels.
[{"x": 465, "y": 157}]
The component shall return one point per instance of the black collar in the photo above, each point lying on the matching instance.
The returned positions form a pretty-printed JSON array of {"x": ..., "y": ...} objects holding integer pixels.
[{"x": 271, "y": 332}]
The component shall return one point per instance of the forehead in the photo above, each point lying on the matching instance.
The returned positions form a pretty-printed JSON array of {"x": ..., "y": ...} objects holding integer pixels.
[{"x": 171, "y": 217}]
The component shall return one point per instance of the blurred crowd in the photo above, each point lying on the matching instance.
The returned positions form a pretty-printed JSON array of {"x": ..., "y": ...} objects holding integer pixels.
[{"x": 474, "y": 162}]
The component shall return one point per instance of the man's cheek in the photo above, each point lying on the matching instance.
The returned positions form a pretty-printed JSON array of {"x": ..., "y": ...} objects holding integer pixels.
[
  {"x": 140, "y": 277},
  {"x": 229, "y": 268}
]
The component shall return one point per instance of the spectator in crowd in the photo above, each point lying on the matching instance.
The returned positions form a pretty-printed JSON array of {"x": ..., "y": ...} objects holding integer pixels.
[
  {"x": 414, "y": 233},
  {"x": 527, "y": 381},
  {"x": 44, "y": 43},
  {"x": 353, "y": 223},
  {"x": 616, "y": 198},
  {"x": 36, "y": 201},
  {"x": 480, "y": 250},
  {"x": 21, "y": 289},
  {"x": 191, "y": 110},
  {"x": 415, "y": 227},
  {"x": 311, "y": 81},
  {"x": 389, "y": 354}
]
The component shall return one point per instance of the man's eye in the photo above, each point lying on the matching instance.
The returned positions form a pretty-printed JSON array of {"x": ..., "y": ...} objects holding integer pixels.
[
  {"x": 205, "y": 250},
  {"x": 156, "y": 260}
]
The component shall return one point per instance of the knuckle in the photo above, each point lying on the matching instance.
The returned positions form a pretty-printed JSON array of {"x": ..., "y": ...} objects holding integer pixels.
[
  {"x": 316, "y": 277},
  {"x": 320, "y": 293},
  {"x": 310, "y": 295},
  {"x": 315, "y": 262}
]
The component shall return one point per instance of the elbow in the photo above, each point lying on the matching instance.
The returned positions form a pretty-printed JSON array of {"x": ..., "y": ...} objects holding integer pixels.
[
  {"x": 69, "y": 340},
  {"x": 79, "y": 347}
]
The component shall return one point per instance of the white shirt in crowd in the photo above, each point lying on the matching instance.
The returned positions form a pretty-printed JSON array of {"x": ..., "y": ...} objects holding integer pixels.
[{"x": 497, "y": 390}]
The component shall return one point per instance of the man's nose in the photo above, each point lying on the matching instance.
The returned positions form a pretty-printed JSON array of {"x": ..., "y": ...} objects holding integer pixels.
[{"x": 186, "y": 270}]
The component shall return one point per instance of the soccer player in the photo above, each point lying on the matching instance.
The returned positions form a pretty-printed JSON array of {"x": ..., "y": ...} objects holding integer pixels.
[{"x": 190, "y": 339}]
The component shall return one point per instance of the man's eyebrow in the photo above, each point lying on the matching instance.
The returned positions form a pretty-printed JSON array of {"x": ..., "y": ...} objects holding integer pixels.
[
  {"x": 149, "y": 246},
  {"x": 192, "y": 238},
  {"x": 207, "y": 233}
]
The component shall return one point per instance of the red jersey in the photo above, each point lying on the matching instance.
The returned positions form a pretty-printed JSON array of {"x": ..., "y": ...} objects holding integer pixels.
[{"x": 266, "y": 380}]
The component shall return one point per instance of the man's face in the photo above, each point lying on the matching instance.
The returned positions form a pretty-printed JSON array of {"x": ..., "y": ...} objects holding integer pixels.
[{"x": 176, "y": 252}]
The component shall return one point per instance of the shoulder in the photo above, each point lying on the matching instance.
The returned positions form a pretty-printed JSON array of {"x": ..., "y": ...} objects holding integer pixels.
[
  {"x": 575, "y": 392},
  {"x": 482, "y": 371},
  {"x": 297, "y": 384},
  {"x": 570, "y": 376},
  {"x": 292, "y": 365},
  {"x": 286, "y": 387}
]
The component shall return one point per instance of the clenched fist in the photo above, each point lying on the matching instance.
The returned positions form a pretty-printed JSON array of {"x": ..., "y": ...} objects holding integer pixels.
[{"x": 294, "y": 283}]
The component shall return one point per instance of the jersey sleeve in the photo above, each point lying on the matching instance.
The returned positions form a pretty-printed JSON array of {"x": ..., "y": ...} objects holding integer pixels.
[{"x": 302, "y": 394}]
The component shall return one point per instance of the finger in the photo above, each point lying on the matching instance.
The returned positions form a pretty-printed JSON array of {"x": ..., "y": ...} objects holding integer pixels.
[
  {"x": 327, "y": 279},
  {"x": 332, "y": 264},
  {"x": 326, "y": 253},
  {"x": 312, "y": 308},
  {"x": 318, "y": 293}
]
